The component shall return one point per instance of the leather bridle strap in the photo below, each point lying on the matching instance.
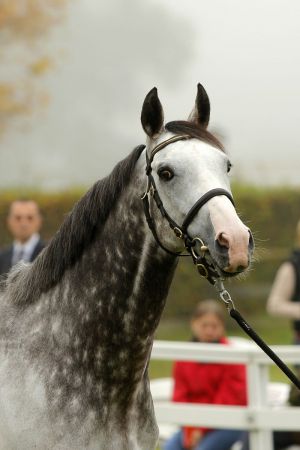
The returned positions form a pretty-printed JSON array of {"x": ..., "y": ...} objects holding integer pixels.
[
  {"x": 201, "y": 202},
  {"x": 180, "y": 137},
  {"x": 152, "y": 191},
  {"x": 151, "y": 225}
]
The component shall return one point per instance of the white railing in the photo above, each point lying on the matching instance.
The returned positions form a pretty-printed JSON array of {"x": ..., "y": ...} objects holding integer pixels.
[{"x": 258, "y": 417}]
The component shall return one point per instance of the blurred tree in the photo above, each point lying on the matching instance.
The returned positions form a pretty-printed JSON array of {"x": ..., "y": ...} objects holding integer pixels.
[
  {"x": 22, "y": 25},
  {"x": 113, "y": 54}
]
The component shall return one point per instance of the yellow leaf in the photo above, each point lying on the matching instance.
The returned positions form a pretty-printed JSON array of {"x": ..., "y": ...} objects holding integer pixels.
[{"x": 41, "y": 66}]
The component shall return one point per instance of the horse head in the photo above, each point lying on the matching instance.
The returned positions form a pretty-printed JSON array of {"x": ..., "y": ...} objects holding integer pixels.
[{"x": 188, "y": 179}]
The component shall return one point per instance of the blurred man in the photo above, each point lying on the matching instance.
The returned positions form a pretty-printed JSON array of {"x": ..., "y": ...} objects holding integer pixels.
[{"x": 24, "y": 222}]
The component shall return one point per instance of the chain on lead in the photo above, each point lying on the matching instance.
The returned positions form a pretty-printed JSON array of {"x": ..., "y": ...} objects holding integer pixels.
[{"x": 224, "y": 294}]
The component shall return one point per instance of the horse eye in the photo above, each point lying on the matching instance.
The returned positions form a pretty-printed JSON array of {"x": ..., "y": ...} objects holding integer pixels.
[
  {"x": 229, "y": 165},
  {"x": 165, "y": 173}
]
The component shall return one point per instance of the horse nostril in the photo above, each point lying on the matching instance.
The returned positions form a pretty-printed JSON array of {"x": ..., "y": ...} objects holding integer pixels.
[
  {"x": 223, "y": 240},
  {"x": 251, "y": 241}
]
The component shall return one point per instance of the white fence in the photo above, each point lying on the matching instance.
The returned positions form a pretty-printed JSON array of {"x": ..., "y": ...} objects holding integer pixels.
[{"x": 259, "y": 417}]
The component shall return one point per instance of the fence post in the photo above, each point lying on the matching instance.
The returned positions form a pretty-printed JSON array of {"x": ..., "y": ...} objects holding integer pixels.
[{"x": 258, "y": 376}]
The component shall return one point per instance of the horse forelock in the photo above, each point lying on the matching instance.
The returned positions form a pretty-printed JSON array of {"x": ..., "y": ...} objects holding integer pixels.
[
  {"x": 195, "y": 131},
  {"x": 78, "y": 231}
]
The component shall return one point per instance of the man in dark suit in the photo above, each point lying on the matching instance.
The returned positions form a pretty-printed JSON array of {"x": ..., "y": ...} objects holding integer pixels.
[{"x": 24, "y": 222}]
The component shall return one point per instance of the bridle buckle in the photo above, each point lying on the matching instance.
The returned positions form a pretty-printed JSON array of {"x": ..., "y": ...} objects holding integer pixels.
[
  {"x": 152, "y": 190},
  {"x": 178, "y": 232},
  {"x": 203, "y": 272}
]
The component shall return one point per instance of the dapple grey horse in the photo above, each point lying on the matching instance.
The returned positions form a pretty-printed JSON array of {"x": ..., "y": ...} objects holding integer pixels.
[{"x": 77, "y": 324}]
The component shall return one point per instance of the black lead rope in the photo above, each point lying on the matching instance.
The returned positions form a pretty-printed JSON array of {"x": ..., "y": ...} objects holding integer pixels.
[
  {"x": 234, "y": 313},
  {"x": 206, "y": 269},
  {"x": 256, "y": 338}
]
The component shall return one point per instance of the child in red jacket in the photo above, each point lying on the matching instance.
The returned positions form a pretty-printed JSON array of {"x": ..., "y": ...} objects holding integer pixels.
[{"x": 210, "y": 383}]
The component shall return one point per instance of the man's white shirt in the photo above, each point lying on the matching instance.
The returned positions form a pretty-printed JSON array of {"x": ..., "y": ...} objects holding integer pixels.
[{"x": 23, "y": 251}]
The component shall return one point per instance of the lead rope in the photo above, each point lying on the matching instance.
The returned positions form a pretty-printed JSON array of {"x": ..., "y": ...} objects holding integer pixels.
[
  {"x": 206, "y": 269},
  {"x": 234, "y": 313}
]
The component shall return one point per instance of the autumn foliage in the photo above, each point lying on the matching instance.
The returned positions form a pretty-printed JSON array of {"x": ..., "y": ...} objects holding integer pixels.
[
  {"x": 29, "y": 18},
  {"x": 23, "y": 23}
]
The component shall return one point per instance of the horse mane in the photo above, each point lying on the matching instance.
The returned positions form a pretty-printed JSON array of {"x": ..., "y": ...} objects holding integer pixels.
[
  {"x": 78, "y": 231},
  {"x": 26, "y": 282},
  {"x": 195, "y": 131}
]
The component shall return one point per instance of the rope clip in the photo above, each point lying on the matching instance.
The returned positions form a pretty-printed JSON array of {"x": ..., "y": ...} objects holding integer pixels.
[{"x": 224, "y": 294}]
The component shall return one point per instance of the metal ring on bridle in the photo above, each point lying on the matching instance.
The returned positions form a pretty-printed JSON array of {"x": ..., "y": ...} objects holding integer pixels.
[{"x": 194, "y": 253}]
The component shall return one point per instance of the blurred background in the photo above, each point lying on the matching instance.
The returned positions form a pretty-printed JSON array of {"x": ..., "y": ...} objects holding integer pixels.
[{"x": 74, "y": 74}]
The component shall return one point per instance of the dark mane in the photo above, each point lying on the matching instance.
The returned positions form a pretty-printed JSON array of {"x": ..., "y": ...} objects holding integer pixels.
[
  {"x": 194, "y": 130},
  {"x": 77, "y": 231}
]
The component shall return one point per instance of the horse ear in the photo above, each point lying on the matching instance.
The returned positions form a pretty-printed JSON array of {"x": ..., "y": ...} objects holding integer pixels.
[
  {"x": 201, "y": 111},
  {"x": 152, "y": 116}
]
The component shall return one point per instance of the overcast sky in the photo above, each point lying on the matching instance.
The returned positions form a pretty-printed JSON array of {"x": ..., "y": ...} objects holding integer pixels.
[{"x": 110, "y": 54}]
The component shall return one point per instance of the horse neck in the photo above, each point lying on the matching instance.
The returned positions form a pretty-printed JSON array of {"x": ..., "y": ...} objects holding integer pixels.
[
  {"x": 99, "y": 319},
  {"x": 115, "y": 295},
  {"x": 129, "y": 275}
]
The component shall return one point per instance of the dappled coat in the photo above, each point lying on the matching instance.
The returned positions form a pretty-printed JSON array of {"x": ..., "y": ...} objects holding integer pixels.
[{"x": 211, "y": 383}]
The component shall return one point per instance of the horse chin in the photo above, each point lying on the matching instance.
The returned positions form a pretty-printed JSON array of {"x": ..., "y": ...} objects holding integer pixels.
[
  {"x": 222, "y": 270},
  {"x": 225, "y": 274}
]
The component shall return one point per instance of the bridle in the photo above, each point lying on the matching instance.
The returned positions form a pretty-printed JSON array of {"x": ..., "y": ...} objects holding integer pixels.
[
  {"x": 204, "y": 264},
  {"x": 202, "y": 261}
]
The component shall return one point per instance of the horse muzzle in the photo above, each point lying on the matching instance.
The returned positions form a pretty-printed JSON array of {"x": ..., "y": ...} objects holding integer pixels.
[{"x": 233, "y": 252}]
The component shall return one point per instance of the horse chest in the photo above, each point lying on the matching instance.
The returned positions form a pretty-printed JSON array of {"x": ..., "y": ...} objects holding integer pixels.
[{"x": 30, "y": 422}]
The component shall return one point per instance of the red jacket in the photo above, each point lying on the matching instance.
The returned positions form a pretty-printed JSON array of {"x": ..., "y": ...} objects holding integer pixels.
[{"x": 211, "y": 383}]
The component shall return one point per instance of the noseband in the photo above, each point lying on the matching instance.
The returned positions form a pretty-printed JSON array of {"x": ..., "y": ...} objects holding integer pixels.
[{"x": 206, "y": 270}]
